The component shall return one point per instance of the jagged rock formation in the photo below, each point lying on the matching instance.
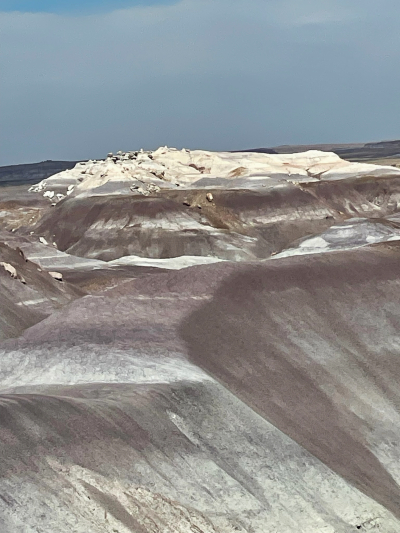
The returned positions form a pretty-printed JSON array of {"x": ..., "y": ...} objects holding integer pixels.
[{"x": 147, "y": 172}]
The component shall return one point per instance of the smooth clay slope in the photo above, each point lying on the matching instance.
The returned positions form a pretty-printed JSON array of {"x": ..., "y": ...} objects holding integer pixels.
[
  {"x": 115, "y": 425},
  {"x": 199, "y": 364}
]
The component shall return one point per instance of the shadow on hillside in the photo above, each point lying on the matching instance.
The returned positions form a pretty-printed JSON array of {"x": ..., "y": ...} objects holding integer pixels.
[{"x": 263, "y": 336}]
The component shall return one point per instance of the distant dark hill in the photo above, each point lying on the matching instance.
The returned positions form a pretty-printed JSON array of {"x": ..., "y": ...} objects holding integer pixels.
[
  {"x": 368, "y": 152},
  {"x": 32, "y": 172},
  {"x": 258, "y": 150},
  {"x": 352, "y": 152}
]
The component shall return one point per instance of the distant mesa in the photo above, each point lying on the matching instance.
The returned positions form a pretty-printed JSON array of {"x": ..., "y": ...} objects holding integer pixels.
[
  {"x": 148, "y": 172},
  {"x": 36, "y": 172}
]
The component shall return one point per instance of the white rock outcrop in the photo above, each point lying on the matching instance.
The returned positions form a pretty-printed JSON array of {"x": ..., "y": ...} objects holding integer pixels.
[
  {"x": 10, "y": 269},
  {"x": 147, "y": 172},
  {"x": 353, "y": 233},
  {"x": 56, "y": 275}
]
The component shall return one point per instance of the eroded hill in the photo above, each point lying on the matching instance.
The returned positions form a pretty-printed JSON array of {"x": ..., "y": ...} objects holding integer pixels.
[{"x": 203, "y": 350}]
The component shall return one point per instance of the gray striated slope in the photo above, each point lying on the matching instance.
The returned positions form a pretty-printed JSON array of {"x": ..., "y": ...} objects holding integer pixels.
[
  {"x": 303, "y": 341},
  {"x": 258, "y": 394}
]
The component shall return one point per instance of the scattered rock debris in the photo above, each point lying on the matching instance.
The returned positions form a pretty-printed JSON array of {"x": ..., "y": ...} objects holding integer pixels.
[{"x": 56, "y": 275}]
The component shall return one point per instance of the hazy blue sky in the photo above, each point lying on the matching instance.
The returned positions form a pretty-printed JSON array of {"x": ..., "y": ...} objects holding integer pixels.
[
  {"x": 75, "y": 6},
  {"x": 80, "y": 79}
]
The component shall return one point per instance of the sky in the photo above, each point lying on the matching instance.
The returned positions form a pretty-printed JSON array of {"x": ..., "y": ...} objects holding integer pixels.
[{"x": 79, "y": 79}]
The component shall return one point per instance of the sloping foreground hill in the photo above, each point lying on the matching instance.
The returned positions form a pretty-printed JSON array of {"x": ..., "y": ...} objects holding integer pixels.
[
  {"x": 226, "y": 397},
  {"x": 144, "y": 395}
]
